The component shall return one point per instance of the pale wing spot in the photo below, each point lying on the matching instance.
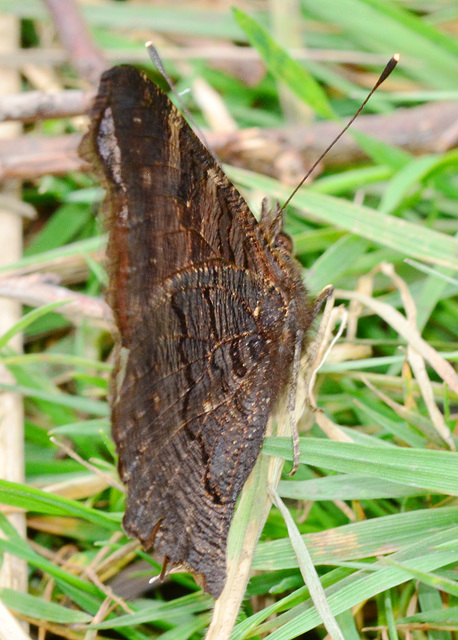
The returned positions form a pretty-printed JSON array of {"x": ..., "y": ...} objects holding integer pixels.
[
  {"x": 217, "y": 177},
  {"x": 121, "y": 373},
  {"x": 108, "y": 146},
  {"x": 147, "y": 177},
  {"x": 174, "y": 127},
  {"x": 123, "y": 213}
]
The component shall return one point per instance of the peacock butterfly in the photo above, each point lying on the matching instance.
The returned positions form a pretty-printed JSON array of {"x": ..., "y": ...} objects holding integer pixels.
[{"x": 211, "y": 313}]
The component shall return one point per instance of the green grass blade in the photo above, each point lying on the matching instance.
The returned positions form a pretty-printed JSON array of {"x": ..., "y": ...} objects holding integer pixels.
[
  {"x": 187, "y": 605},
  {"x": 357, "y": 540},
  {"x": 436, "y": 471},
  {"x": 447, "y": 617},
  {"x": 431, "y": 579},
  {"x": 361, "y": 585},
  {"x": 30, "y": 317},
  {"x": 40, "y": 609},
  {"x": 408, "y": 238},
  {"x": 74, "y": 402},
  {"x": 346, "y": 487},
  {"x": 308, "y": 572},
  {"x": 36, "y": 500},
  {"x": 284, "y": 68},
  {"x": 406, "y": 178},
  {"x": 382, "y": 26},
  {"x": 35, "y": 560},
  {"x": 339, "y": 257},
  {"x": 33, "y": 263}
]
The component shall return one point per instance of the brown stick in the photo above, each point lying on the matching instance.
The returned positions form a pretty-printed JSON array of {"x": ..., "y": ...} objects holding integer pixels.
[
  {"x": 36, "y": 290},
  {"x": 68, "y": 269},
  {"x": 30, "y": 157},
  {"x": 73, "y": 34},
  {"x": 38, "y": 105},
  {"x": 281, "y": 153},
  {"x": 290, "y": 151},
  {"x": 217, "y": 53}
]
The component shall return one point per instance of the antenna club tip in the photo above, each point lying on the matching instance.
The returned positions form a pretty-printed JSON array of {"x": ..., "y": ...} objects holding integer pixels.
[
  {"x": 397, "y": 57},
  {"x": 148, "y": 44}
]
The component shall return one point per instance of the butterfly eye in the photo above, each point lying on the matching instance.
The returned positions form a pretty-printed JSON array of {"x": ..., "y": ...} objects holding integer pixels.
[{"x": 284, "y": 242}]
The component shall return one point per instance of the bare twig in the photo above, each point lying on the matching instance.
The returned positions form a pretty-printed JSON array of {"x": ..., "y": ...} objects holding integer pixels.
[
  {"x": 85, "y": 56},
  {"x": 212, "y": 53},
  {"x": 110, "y": 481},
  {"x": 35, "y": 290},
  {"x": 67, "y": 266},
  {"x": 31, "y": 157},
  {"x": 38, "y": 105},
  {"x": 424, "y": 129},
  {"x": 13, "y": 205}
]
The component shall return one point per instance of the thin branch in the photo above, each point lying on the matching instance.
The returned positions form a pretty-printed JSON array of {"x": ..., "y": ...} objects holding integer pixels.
[
  {"x": 38, "y": 105},
  {"x": 211, "y": 53},
  {"x": 426, "y": 129},
  {"x": 35, "y": 291},
  {"x": 88, "y": 60},
  {"x": 31, "y": 157}
]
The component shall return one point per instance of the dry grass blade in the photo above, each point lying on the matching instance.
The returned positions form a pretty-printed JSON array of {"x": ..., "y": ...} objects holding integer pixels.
[
  {"x": 308, "y": 570},
  {"x": 9, "y": 627},
  {"x": 410, "y": 335}
]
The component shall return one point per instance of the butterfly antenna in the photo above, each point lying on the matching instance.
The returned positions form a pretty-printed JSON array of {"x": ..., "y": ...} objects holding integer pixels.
[
  {"x": 156, "y": 59},
  {"x": 383, "y": 76}
]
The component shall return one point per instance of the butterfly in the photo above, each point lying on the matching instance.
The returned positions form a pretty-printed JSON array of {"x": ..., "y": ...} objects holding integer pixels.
[{"x": 211, "y": 314}]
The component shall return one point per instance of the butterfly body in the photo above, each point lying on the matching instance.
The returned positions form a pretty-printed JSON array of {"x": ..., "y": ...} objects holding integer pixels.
[{"x": 208, "y": 304}]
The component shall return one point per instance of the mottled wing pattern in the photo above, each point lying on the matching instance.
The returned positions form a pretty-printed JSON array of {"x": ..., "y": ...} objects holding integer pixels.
[{"x": 202, "y": 323}]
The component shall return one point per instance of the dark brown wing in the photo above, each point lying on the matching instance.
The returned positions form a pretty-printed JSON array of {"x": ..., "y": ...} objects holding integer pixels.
[
  {"x": 203, "y": 310},
  {"x": 170, "y": 207}
]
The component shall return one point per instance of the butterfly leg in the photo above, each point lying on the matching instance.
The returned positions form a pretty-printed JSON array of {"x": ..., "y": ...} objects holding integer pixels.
[
  {"x": 321, "y": 299},
  {"x": 271, "y": 221},
  {"x": 323, "y": 296},
  {"x": 165, "y": 565},
  {"x": 292, "y": 400}
]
